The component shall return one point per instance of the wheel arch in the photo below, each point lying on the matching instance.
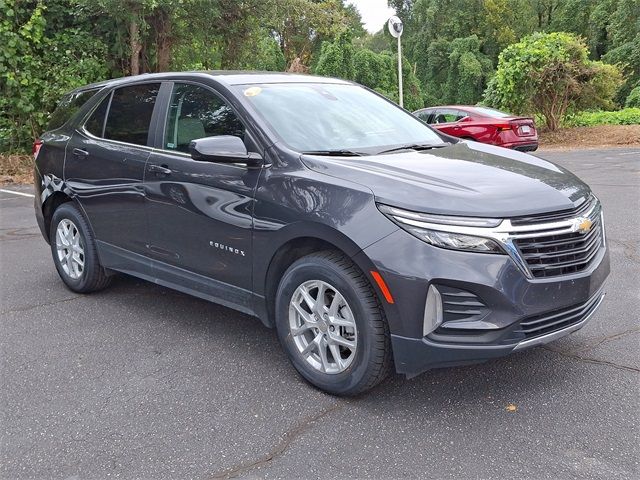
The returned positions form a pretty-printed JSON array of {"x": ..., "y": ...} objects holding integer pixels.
[
  {"x": 49, "y": 206},
  {"x": 299, "y": 246}
]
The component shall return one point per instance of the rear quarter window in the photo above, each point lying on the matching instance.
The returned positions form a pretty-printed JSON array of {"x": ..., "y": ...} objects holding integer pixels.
[
  {"x": 425, "y": 116},
  {"x": 68, "y": 106},
  {"x": 95, "y": 123}
]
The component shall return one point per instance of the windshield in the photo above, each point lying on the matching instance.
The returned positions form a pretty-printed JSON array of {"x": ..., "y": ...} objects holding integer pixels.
[
  {"x": 330, "y": 117},
  {"x": 490, "y": 112}
]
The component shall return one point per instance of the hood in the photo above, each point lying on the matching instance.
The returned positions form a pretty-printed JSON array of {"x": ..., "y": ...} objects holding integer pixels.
[{"x": 471, "y": 179}]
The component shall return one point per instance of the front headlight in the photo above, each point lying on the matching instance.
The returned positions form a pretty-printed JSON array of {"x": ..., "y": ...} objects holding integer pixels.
[{"x": 443, "y": 231}]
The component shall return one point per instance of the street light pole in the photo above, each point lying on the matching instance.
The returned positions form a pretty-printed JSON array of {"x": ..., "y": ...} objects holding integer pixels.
[
  {"x": 395, "y": 29},
  {"x": 400, "y": 72}
]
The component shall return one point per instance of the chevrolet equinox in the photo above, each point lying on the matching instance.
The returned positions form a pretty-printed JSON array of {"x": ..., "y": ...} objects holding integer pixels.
[{"x": 370, "y": 241}]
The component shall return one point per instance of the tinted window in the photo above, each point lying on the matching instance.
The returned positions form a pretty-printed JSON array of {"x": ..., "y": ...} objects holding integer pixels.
[
  {"x": 196, "y": 112},
  {"x": 68, "y": 106},
  {"x": 95, "y": 123},
  {"x": 130, "y": 113}
]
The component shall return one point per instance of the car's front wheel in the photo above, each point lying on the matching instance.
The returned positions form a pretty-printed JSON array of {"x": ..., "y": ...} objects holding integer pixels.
[
  {"x": 331, "y": 324},
  {"x": 74, "y": 251}
]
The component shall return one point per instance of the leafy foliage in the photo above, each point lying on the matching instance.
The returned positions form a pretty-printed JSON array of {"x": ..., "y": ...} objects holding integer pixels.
[
  {"x": 37, "y": 67},
  {"x": 377, "y": 71},
  {"x": 336, "y": 58},
  {"x": 456, "y": 71},
  {"x": 626, "y": 116},
  {"x": 450, "y": 47},
  {"x": 551, "y": 74},
  {"x": 633, "y": 100}
]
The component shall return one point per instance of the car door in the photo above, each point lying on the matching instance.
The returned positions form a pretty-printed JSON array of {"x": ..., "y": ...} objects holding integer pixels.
[
  {"x": 105, "y": 162},
  {"x": 200, "y": 212},
  {"x": 446, "y": 120}
]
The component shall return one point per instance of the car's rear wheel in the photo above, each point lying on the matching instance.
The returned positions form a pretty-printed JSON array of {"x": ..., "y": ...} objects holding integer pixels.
[
  {"x": 74, "y": 251},
  {"x": 331, "y": 324}
]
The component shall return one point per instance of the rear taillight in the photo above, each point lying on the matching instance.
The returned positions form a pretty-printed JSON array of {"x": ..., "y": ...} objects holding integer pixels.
[
  {"x": 37, "y": 145},
  {"x": 504, "y": 127}
]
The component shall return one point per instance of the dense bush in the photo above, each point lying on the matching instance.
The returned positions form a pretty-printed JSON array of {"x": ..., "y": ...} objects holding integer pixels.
[
  {"x": 627, "y": 116},
  {"x": 36, "y": 68},
  {"x": 633, "y": 100},
  {"x": 550, "y": 74}
]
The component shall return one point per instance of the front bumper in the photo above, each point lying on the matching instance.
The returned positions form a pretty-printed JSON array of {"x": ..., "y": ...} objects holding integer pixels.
[
  {"x": 414, "y": 356},
  {"x": 513, "y": 302}
]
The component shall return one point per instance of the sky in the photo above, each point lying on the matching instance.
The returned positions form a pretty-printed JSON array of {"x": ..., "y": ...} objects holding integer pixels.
[{"x": 374, "y": 13}]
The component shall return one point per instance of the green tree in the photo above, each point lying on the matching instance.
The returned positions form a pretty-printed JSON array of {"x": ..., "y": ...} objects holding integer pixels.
[
  {"x": 268, "y": 56},
  {"x": 624, "y": 48},
  {"x": 551, "y": 74},
  {"x": 455, "y": 71},
  {"x": 379, "y": 71},
  {"x": 633, "y": 100},
  {"x": 336, "y": 58},
  {"x": 37, "y": 66}
]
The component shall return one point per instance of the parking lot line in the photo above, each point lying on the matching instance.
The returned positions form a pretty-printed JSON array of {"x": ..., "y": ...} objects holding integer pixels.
[{"x": 22, "y": 194}]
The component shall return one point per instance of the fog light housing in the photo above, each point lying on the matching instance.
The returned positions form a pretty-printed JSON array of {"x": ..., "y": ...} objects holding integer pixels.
[{"x": 432, "y": 311}]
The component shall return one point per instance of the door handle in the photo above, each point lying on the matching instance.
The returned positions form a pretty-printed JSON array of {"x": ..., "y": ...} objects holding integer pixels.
[
  {"x": 160, "y": 169},
  {"x": 78, "y": 152}
]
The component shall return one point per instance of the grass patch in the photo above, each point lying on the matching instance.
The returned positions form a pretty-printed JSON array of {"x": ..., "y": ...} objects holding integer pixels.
[
  {"x": 16, "y": 168},
  {"x": 626, "y": 116}
]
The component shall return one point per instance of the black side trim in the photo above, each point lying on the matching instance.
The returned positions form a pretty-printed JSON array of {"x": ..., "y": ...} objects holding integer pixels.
[{"x": 121, "y": 260}]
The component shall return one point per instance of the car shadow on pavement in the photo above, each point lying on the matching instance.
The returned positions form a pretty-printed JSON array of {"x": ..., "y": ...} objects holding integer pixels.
[{"x": 244, "y": 345}]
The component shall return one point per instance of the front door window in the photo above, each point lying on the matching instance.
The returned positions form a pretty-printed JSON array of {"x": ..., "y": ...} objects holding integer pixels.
[{"x": 196, "y": 112}]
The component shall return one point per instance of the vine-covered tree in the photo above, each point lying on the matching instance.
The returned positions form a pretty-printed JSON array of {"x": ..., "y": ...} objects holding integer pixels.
[{"x": 451, "y": 47}]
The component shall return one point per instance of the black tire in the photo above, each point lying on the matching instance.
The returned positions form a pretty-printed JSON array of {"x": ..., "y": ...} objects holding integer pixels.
[
  {"x": 94, "y": 277},
  {"x": 372, "y": 361}
]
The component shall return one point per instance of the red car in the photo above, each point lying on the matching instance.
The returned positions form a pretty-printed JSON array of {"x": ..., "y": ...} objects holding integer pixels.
[{"x": 483, "y": 124}]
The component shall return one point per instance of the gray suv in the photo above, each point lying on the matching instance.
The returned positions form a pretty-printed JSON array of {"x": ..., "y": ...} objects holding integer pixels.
[{"x": 368, "y": 240}]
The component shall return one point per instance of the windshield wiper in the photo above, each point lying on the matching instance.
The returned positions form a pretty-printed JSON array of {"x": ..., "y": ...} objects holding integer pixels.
[
  {"x": 414, "y": 146},
  {"x": 335, "y": 153}
]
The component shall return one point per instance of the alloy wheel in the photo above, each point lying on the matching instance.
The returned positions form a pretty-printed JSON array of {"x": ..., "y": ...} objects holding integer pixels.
[
  {"x": 323, "y": 327},
  {"x": 70, "y": 249}
]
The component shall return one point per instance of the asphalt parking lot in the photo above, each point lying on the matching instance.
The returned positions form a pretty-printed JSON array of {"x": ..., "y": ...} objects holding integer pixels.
[{"x": 140, "y": 381}]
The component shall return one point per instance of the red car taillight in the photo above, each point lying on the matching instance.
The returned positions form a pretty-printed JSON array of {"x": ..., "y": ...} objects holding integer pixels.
[
  {"x": 37, "y": 145},
  {"x": 502, "y": 127}
]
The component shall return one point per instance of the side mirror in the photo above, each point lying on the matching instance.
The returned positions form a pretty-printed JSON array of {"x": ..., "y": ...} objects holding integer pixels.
[{"x": 223, "y": 149}]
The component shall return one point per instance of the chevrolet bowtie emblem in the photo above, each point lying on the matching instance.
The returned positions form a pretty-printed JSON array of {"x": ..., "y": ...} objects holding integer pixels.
[{"x": 582, "y": 225}]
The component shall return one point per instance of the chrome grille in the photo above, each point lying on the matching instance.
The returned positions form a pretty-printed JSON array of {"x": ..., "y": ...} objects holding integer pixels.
[
  {"x": 556, "y": 253},
  {"x": 584, "y": 208}
]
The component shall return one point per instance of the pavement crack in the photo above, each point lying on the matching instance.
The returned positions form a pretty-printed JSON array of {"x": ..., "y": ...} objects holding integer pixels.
[
  {"x": 596, "y": 361},
  {"x": 606, "y": 339},
  {"x": 287, "y": 439},
  {"x": 44, "y": 304}
]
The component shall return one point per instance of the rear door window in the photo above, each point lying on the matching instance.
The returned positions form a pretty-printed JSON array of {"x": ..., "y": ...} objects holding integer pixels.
[
  {"x": 130, "y": 113},
  {"x": 68, "y": 106}
]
